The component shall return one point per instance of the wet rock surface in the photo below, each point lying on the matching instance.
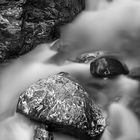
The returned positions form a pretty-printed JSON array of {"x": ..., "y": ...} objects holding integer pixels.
[
  {"x": 41, "y": 133},
  {"x": 26, "y": 23},
  {"x": 61, "y": 103},
  {"x": 10, "y": 28},
  {"x": 88, "y": 57},
  {"x": 107, "y": 67}
]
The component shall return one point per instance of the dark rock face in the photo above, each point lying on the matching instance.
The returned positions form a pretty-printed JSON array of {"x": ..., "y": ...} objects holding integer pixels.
[
  {"x": 26, "y": 23},
  {"x": 63, "y": 105},
  {"x": 10, "y": 27},
  {"x": 107, "y": 67}
]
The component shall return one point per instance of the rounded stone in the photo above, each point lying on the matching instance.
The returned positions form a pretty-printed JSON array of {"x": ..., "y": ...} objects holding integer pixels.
[
  {"x": 63, "y": 105},
  {"x": 107, "y": 67}
]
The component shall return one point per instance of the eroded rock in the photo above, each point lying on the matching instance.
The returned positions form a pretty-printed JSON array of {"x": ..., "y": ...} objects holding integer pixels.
[
  {"x": 26, "y": 23},
  {"x": 62, "y": 104},
  {"x": 41, "y": 132}
]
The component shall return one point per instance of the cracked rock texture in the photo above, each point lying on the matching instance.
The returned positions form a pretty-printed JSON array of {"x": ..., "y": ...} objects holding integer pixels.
[
  {"x": 63, "y": 105},
  {"x": 41, "y": 133},
  {"x": 26, "y": 23}
]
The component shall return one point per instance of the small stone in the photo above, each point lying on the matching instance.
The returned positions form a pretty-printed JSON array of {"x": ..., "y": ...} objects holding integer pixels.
[
  {"x": 41, "y": 133},
  {"x": 63, "y": 105},
  {"x": 107, "y": 67},
  {"x": 88, "y": 57}
]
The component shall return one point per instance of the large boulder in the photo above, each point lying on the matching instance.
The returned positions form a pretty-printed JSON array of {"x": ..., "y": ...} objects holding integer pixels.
[
  {"x": 26, "y": 23},
  {"x": 61, "y": 103}
]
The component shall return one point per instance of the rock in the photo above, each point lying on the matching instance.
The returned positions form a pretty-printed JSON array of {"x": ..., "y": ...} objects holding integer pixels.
[
  {"x": 10, "y": 28},
  {"x": 62, "y": 104},
  {"x": 41, "y": 133},
  {"x": 107, "y": 67},
  {"x": 88, "y": 57},
  {"x": 26, "y": 23}
]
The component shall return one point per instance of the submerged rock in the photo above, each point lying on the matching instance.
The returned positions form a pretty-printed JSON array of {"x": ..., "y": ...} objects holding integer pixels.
[
  {"x": 107, "y": 67},
  {"x": 61, "y": 103},
  {"x": 89, "y": 57},
  {"x": 26, "y": 23}
]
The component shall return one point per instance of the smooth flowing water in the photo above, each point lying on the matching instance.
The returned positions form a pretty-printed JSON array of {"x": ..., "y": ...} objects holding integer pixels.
[
  {"x": 115, "y": 96},
  {"x": 16, "y": 75}
]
